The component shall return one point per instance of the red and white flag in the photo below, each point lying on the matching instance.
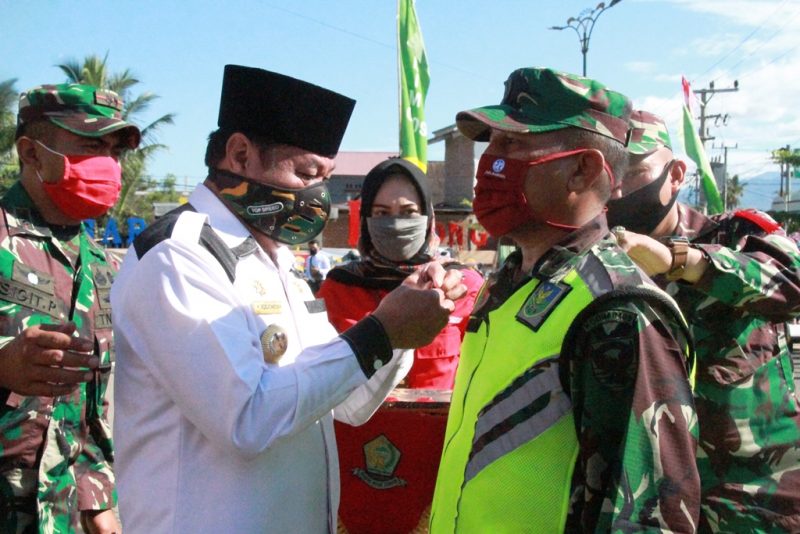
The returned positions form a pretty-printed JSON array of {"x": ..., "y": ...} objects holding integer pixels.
[{"x": 687, "y": 93}]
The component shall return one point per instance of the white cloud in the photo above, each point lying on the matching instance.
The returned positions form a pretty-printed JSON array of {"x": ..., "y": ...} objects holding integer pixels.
[
  {"x": 641, "y": 67},
  {"x": 744, "y": 12}
]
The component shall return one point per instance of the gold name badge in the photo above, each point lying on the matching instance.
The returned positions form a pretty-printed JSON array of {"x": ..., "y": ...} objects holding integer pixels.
[{"x": 267, "y": 307}]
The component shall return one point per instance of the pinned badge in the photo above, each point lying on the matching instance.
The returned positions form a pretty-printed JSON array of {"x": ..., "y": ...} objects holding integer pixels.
[
  {"x": 274, "y": 343},
  {"x": 541, "y": 302}
]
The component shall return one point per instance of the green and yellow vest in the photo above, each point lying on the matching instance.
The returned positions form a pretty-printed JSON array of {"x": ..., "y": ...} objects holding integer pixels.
[{"x": 510, "y": 445}]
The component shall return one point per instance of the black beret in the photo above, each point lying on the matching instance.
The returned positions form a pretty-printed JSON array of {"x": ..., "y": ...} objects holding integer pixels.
[{"x": 283, "y": 110}]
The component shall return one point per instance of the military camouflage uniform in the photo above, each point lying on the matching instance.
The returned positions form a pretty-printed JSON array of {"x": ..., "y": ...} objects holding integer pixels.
[
  {"x": 624, "y": 367},
  {"x": 56, "y": 452},
  {"x": 749, "y": 454}
]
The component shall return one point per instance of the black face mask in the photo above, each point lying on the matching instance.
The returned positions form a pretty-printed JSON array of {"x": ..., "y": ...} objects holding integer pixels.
[{"x": 641, "y": 211}]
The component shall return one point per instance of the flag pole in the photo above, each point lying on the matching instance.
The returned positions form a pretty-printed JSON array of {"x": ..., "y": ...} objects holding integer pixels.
[{"x": 399, "y": 60}]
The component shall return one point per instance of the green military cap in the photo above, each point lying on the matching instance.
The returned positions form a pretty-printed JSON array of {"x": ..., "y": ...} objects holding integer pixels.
[
  {"x": 81, "y": 109},
  {"x": 648, "y": 133},
  {"x": 539, "y": 100}
]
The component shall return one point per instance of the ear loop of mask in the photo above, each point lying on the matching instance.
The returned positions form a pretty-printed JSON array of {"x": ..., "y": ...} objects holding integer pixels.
[
  {"x": 64, "y": 172},
  {"x": 560, "y": 155}
]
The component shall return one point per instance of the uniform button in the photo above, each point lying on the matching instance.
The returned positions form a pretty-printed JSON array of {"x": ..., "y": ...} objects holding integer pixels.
[{"x": 377, "y": 364}]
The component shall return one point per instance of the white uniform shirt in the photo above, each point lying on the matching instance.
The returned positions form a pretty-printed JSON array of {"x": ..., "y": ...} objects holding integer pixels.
[
  {"x": 319, "y": 261},
  {"x": 208, "y": 437}
]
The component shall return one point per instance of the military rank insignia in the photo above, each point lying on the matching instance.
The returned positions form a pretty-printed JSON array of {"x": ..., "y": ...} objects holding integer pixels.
[{"x": 541, "y": 302}]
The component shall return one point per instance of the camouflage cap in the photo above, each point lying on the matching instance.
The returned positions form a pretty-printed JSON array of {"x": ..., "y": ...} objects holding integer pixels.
[
  {"x": 539, "y": 100},
  {"x": 81, "y": 109},
  {"x": 648, "y": 133}
]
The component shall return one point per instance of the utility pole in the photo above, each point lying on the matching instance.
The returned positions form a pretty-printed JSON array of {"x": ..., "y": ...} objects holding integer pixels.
[
  {"x": 725, "y": 149},
  {"x": 705, "y": 96},
  {"x": 786, "y": 177}
]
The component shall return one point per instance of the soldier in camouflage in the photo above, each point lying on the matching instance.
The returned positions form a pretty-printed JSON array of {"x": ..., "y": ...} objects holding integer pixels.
[
  {"x": 572, "y": 408},
  {"x": 55, "y": 317},
  {"x": 737, "y": 277}
]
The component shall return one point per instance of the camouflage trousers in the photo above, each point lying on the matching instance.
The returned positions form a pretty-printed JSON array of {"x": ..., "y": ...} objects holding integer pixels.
[{"x": 18, "y": 501}]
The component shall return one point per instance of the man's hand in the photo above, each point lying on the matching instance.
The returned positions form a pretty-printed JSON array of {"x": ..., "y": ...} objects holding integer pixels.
[
  {"x": 433, "y": 275},
  {"x": 651, "y": 255},
  {"x": 418, "y": 309},
  {"x": 654, "y": 257},
  {"x": 100, "y": 522},
  {"x": 45, "y": 360}
]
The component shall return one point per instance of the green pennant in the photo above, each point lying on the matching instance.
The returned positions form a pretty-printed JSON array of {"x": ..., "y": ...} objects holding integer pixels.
[
  {"x": 694, "y": 149},
  {"x": 414, "y": 82}
]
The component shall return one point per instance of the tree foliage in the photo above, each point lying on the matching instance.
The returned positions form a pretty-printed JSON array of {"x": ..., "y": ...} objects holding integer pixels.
[
  {"x": 733, "y": 192},
  {"x": 787, "y": 156},
  {"x": 8, "y": 126}
]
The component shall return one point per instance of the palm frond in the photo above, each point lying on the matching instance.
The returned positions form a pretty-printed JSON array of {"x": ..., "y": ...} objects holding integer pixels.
[
  {"x": 121, "y": 82},
  {"x": 139, "y": 104},
  {"x": 72, "y": 70},
  {"x": 149, "y": 131}
]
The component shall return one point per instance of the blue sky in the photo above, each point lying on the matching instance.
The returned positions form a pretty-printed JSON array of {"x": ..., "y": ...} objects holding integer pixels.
[{"x": 639, "y": 47}]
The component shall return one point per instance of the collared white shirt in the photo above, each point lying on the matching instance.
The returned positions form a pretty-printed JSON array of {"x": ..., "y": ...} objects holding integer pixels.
[
  {"x": 209, "y": 437},
  {"x": 319, "y": 261}
]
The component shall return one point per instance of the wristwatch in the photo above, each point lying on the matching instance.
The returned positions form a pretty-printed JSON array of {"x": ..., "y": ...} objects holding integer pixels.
[{"x": 679, "y": 247}]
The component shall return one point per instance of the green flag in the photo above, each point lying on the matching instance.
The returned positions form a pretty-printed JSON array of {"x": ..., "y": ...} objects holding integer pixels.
[
  {"x": 694, "y": 149},
  {"x": 414, "y": 81}
]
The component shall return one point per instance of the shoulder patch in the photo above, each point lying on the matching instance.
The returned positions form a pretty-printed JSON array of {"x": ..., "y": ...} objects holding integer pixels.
[
  {"x": 158, "y": 231},
  {"x": 610, "y": 344},
  {"x": 541, "y": 302},
  {"x": 759, "y": 218}
]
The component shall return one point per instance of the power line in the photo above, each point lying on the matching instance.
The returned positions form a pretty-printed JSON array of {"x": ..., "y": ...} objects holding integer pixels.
[
  {"x": 750, "y": 72},
  {"x": 371, "y": 40},
  {"x": 729, "y": 71},
  {"x": 743, "y": 41},
  {"x": 763, "y": 43}
]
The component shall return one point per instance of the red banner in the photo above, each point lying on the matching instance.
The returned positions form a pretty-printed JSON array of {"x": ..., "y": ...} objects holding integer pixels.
[
  {"x": 354, "y": 228},
  {"x": 477, "y": 238},
  {"x": 388, "y": 469},
  {"x": 456, "y": 232}
]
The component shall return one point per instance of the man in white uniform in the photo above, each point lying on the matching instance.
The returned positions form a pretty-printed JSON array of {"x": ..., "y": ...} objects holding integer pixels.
[{"x": 228, "y": 372}]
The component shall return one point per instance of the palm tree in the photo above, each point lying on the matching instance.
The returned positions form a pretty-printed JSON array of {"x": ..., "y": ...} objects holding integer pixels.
[
  {"x": 94, "y": 71},
  {"x": 8, "y": 125},
  {"x": 733, "y": 192}
]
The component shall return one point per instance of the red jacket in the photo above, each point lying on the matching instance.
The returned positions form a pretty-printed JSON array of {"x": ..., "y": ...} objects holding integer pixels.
[{"x": 435, "y": 364}]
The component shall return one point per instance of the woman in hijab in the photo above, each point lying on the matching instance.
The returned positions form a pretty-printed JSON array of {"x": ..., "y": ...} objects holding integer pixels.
[{"x": 397, "y": 237}]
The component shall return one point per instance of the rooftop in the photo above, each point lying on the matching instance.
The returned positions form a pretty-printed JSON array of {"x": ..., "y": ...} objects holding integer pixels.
[{"x": 359, "y": 163}]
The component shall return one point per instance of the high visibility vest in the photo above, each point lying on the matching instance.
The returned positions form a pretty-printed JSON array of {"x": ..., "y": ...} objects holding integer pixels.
[{"x": 510, "y": 446}]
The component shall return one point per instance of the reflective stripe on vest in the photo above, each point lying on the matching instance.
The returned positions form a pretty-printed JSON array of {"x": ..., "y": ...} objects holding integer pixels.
[{"x": 531, "y": 405}]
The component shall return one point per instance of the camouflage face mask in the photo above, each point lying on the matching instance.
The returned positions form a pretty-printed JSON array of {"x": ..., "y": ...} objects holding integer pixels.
[{"x": 290, "y": 216}]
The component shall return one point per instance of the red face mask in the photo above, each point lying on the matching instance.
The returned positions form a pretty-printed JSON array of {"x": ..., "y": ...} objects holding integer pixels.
[
  {"x": 500, "y": 204},
  {"x": 89, "y": 185}
]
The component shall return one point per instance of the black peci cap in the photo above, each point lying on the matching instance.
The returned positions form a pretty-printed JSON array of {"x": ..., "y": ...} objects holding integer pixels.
[{"x": 283, "y": 109}]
